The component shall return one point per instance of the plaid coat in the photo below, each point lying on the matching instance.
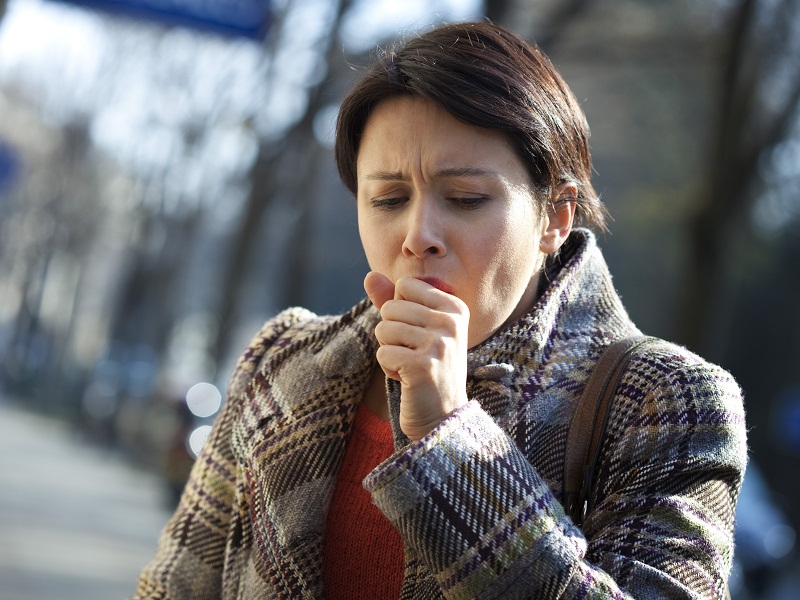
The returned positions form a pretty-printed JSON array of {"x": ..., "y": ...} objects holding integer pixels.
[{"x": 477, "y": 501}]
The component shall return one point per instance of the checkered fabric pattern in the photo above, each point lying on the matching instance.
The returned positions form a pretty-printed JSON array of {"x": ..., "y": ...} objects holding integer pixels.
[{"x": 477, "y": 501}]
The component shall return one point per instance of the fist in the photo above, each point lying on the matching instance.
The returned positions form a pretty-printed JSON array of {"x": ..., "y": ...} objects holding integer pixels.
[{"x": 423, "y": 345}]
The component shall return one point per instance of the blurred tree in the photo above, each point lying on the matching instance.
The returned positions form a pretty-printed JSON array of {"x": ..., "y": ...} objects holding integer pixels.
[
  {"x": 745, "y": 310},
  {"x": 284, "y": 167},
  {"x": 209, "y": 150},
  {"x": 759, "y": 100},
  {"x": 542, "y": 22}
]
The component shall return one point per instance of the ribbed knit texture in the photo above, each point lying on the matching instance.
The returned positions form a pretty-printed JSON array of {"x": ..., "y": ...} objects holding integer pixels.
[{"x": 362, "y": 552}]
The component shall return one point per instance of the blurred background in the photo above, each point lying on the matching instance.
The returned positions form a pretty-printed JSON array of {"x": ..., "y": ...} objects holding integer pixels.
[{"x": 167, "y": 184}]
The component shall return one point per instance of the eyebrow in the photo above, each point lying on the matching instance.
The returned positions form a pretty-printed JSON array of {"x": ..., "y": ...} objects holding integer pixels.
[{"x": 449, "y": 172}]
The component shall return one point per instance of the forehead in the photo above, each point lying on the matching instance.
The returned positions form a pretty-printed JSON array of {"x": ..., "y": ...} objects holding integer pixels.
[{"x": 404, "y": 131}]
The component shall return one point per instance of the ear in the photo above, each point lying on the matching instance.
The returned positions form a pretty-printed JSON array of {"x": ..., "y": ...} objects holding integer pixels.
[{"x": 558, "y": 220}]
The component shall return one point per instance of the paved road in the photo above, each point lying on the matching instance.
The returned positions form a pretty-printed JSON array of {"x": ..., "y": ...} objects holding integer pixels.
[{"x": 76, "y": 522}]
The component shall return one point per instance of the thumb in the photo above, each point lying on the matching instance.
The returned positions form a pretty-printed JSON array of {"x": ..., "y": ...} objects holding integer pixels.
[{"x": 379, "y": 288}]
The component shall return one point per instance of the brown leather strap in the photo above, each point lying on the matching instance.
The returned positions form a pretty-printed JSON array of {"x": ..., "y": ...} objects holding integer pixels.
[{"x": 588, "y": 425}]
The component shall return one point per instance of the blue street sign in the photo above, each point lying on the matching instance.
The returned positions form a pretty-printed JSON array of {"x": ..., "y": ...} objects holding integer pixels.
[{"x": 246, "y": 18}]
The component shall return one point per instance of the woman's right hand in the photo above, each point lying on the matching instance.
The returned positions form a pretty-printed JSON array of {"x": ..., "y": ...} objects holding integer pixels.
[{"x": 423, "y": 345}]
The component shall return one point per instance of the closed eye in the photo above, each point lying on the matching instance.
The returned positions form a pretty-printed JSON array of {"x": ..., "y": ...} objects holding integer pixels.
[
  {"x": 388, "y": 203},
  {"x": 469, "y": 202}
]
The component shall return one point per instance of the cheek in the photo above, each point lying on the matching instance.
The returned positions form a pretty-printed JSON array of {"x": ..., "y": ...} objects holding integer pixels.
[
  {"x": 510, "y": 263},
  {"x": 377, "y": 244},
  {"x": 372, "y": 252},
  {"x": 511, "y": 252}
]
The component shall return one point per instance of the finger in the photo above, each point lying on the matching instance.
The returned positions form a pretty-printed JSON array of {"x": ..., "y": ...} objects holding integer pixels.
[
  {"x": 379, "y": 288},
  {"x": 390, "y": 373},
  {"x": 394, "y": 359},
  {"x": 406, "y": 311},
  {"x": 398, "y": 333},
  {"x": 421, "y": 292}
]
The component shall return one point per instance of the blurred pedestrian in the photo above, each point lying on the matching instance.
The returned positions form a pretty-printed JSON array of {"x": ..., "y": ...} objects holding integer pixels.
[{"x": 414, "y": 446}]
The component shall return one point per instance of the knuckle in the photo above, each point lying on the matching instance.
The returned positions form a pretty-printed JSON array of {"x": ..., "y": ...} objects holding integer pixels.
[
  {"x": 386, "y": 309},
  {"x": 448, "y": 322},
  {"x": 438, "y": 346}
]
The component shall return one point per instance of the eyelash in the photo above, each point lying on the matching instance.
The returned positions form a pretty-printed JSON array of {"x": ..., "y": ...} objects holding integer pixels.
[
  {"x": 387, "y": 203},
  {"x": 464, "y": 203},
  {"x": 469, "y": 202}
]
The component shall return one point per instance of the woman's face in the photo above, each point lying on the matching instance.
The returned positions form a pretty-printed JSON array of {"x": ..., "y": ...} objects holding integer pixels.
[{"x": 451, "y": 204}]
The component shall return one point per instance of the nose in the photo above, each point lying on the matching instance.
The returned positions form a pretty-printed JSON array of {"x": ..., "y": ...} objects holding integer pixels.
[{"x": 424, "y": 231}]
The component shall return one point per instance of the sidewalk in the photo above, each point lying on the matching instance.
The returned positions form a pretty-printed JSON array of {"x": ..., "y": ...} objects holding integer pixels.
[{"x": 75, "y": 522}]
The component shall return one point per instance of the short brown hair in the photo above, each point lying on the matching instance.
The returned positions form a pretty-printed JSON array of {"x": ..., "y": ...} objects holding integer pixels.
[{"x": 485, "y": 75}]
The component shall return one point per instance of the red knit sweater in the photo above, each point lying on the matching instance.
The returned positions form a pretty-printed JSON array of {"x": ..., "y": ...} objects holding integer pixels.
[{"x": 362, "y": 551}]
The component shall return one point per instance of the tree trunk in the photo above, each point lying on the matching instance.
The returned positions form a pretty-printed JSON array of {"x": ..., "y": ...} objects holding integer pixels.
[
  {"x": 269, "y": 169},
  {"x": 744, "y": 131}
]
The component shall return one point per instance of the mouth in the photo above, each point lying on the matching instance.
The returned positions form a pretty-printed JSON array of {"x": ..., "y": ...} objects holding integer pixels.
[{"x": 438, "y": 284}]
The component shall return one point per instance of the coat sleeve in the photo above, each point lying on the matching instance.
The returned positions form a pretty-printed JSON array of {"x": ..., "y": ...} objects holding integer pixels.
[
  {"x": 192, "y": 550},
  {"x": 485, "y": 524}
]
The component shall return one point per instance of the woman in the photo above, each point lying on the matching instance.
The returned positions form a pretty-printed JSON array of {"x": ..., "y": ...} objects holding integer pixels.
[{"x": 449, "y": 391}]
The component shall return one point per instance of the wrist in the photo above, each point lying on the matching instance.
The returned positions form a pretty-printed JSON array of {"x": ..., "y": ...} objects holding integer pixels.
[{"x": 416, "y": 428}]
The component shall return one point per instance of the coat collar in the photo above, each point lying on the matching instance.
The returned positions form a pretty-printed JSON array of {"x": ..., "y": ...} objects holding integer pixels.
[{"x": 578, "y": 300}]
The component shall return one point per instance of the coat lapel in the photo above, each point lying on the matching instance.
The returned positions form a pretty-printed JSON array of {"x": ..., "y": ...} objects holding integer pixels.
[{"x": 304, "y": 408}]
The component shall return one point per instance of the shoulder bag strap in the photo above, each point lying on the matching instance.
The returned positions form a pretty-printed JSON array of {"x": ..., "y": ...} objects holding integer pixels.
[{"x": 588, "y": 425}]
